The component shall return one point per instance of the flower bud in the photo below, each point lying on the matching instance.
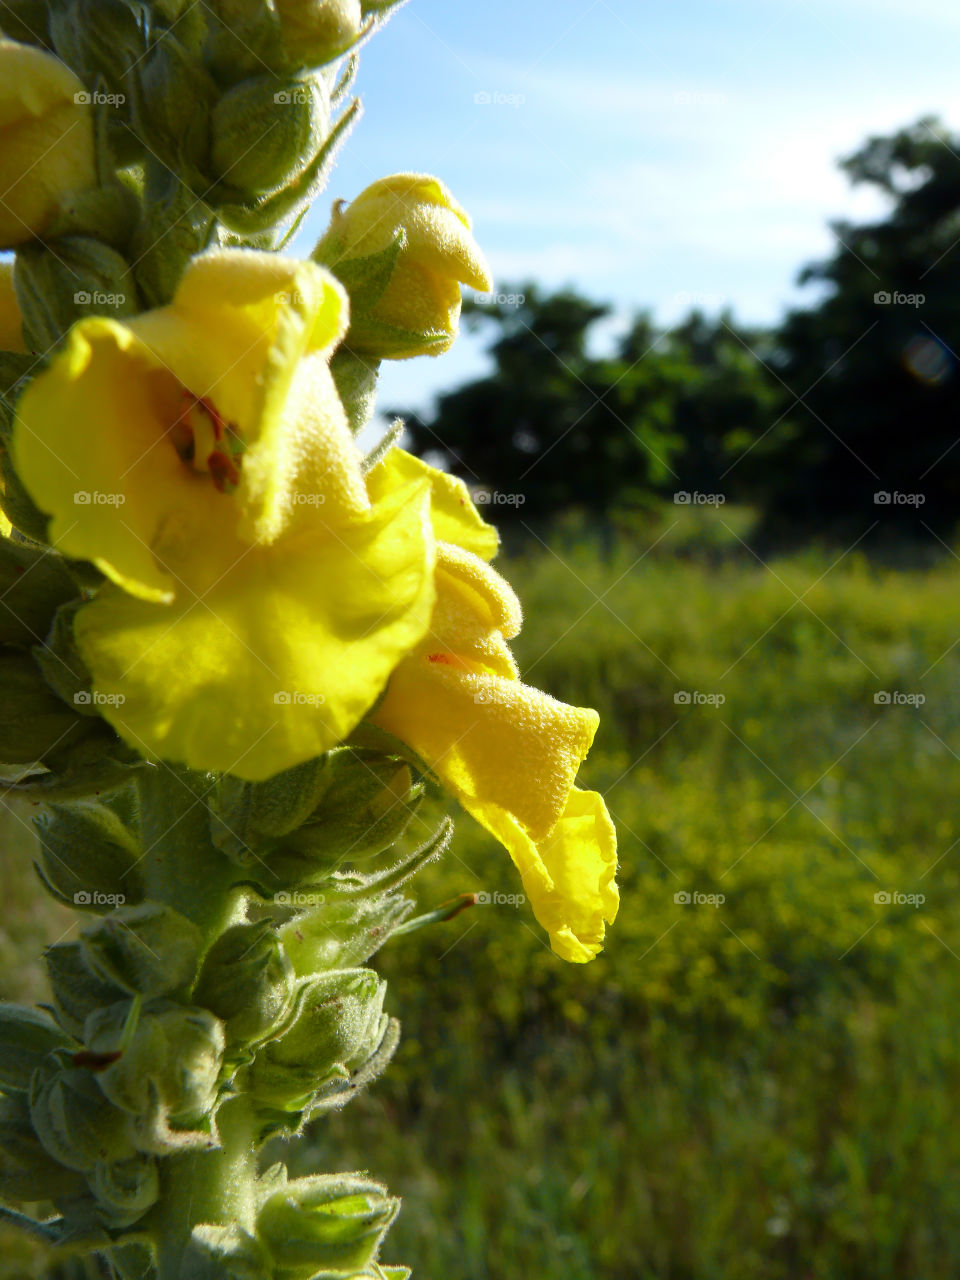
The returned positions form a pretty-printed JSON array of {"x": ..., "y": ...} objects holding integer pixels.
[
  {"x": 340, "y": 1024},
  {"x": 402, "y": 248},
  {"x": 224, "y": 1253},
  {"x": 331, "y": 1222},
  {"x": 27, "y": 1171},
  {"x": 150, "y": 950},
  {"x": 342, "y": 933},
  {"x": 26, "y": 1037},
  {"x": 78, "y": 278},
  {"x": 34, "y": 582},
  {"x": 173, "y": 1059},
  {"x": 100, "y": 39},
  {"x": 72, "y": 1118},
  {"x": 291, "y": 119},
  {"x": 46, "y": 139},
  {"x": 366, "y": 808},
  {"x": 11, "y": 321},
  {"x": 125, "y": 1189},
  {"x": 36, "y": 727},
  {"x": 88, "y": 857},
  {"x": 77, "y": 992},
  {"x": 318, "y": 31},
  {"x": 247, "y": 980},
  {"x": 174, "y": 102}
]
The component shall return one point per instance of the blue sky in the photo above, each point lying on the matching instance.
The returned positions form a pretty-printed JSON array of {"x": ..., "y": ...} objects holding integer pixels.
[{"x": 649, "y": 154}]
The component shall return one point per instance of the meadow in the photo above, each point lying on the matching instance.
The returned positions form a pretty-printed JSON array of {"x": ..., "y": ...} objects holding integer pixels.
[{"x": 757, "y": 1080}]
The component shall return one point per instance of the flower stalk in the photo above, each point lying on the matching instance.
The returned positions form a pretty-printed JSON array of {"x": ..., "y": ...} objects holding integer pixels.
[{"x": 236, "y": 648}]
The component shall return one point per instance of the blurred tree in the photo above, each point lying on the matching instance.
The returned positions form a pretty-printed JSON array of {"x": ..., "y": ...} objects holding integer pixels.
[
  {"x": 554, "y": 428},
  {"x": 868, "y": 375}
]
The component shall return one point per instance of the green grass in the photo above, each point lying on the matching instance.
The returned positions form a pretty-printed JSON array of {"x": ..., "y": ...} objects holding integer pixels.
[{"x": 759, "y": 1089}]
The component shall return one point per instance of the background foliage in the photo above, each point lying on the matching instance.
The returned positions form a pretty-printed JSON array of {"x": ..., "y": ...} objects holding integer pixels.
[{"x": 763, "y": 1088}]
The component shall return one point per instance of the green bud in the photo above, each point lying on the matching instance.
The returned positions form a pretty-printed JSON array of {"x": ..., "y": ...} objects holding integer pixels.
[
  {"x": 62, "y": 666},
  {"x": 100, "y": 40},
  {"x": 174, "y": 102},
  {"x": 339, "y": 1026},
  {"x": 77, "y": 991},
  {"x": 173, "y": 1058},
  {"x": 247, "y": 980},
  {"x": 318, "y": 31},
  {"x": 356, "y": 379},
  {"x": 342, "y": 933},
  {"x": 332, "y": 1222},
  {"x": 224, "y": 1253},
  {"x": 366, "y": 808},
  {"x": 245, "y": 815},
  {"x": 73, "y": 1120},
  {"x": 149, "y": 950},
  {"x": 174, "y": 226},
  {"x": 77, "y": 278},
  {"x": 33, "y": 583},
  {"x": 36, "y": 727},
  {"x": 125, "y": 1189},
  {"x": 133, "y": 1262},
  {"x": 266, "y": 130},
  {"x": 26, "y": 1037},
  {"x": 27, "y": 1171},
  {"x": 88, "y": 857}
]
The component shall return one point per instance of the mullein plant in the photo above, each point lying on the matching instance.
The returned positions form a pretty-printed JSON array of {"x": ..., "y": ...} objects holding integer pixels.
[{"x": 235, "y": 648}]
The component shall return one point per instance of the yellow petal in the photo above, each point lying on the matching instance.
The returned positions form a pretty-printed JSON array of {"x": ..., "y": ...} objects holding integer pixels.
[
  {"x": 499, "y": 746},
  {"x": 46, "y": 139},
  {"x": 455, "y": 518},
  {"x": 278, "y": 661},
  {"x": 569, "y": 876}
]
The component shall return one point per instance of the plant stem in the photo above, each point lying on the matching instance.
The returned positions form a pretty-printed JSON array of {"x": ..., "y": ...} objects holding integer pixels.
[
  {"x": 181, "y": 866},
  {"x": 207, "y": 1186}
]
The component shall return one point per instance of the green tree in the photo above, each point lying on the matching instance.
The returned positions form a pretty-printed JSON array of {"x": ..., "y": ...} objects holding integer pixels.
[{"x": 868, "y": 375}]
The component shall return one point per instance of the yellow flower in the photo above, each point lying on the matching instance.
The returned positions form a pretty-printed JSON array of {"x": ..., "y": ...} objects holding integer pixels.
[
  {"x": 46, "y": 140},
  {"x": 11, "y": 322},
  {"x": 200, "y": 457},
  {"x": 509, "y": 753},
  {"x": 403, "y": 247}
]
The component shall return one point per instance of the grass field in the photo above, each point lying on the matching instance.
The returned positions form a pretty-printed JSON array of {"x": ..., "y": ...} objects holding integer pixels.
[{"x": 757, "y": 1085}]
